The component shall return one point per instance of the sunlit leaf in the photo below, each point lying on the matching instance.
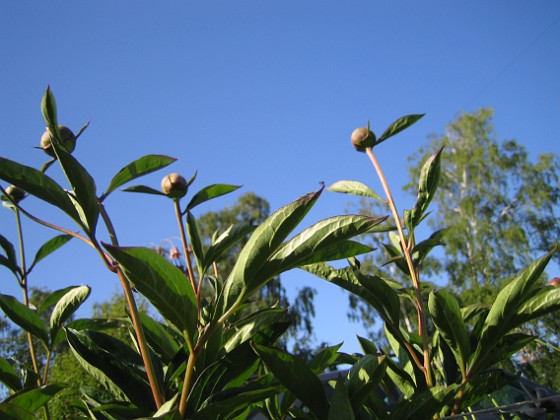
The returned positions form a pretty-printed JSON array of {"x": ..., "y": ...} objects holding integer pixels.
[
  {"x": 354, "y": 188},
  {"x": 263, "y": 242},
  {"x": 251, "y": 325},
  {"x": 66, "y": 306},
  {"x": 163, "y": 284},
  {"x": 225, "y": 241},
  {"x": 140, "y": 167}
]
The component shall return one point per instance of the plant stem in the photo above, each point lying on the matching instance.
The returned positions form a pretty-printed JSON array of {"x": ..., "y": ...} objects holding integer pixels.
[
  {"x": 25, "y": 290},
  {"x": 134, "y": 314},
  {"x": 144, "y": 351},
  {"x": 188, "y": 379},
  {"x": 414, "y": 275},
  {"x": 185, "y": 246}
]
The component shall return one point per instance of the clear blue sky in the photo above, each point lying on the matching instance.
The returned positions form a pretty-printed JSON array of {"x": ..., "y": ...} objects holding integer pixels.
[{"x": 263, "y": 94}]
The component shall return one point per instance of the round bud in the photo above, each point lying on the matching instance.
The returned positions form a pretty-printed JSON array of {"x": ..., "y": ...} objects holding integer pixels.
[
  {"x": 174, "y": 186},
  {"x": 554, "y": 282},
  {"x": 67, "y": 136},
  {"x": 15, "y": 193},
  {"x": 362, "y": 138}
]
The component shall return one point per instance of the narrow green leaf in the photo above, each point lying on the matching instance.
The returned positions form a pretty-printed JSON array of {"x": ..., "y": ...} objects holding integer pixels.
[
  {"x": 447, "y": 317},
  {"x": 324, "y": 358},
  {"x": 10, "y": 251},
  {"x": 143, "y": 189},
  {"x": 9, "y": 411},
  {"x": 354, "y": 188},
  {"x": 81, "y": 130},
  {"x": 422, "y": 249},
  {"x": 502, "y": 316},
  {"x": 316, "y": 243},
  {"x": 251, "y": 325},
  {"x": 261, "y": 245},
  {"x": 196, "y": 243},
  {"x": 53, "y": 298},
  {"x": 225, "y": 241},
  {"x": 48, "y": 248},
  {"x": 294, "y": 374},
  {"x": 341, "y": 408},
  {"x": 83, "y": 186},
  {"x": 159, "y": 338},
  {"x": 140, "y": 167},
  {"x": 33, "y": 399},
  {"x": 66, "y": 306},
  {"x": 210, "y": 192},
  {"x": 48, "y": 108},
  {"x": 425, "y": 404},
  {"x": 429, "y": 179},
  {"x": 544, "y": 301},
  {"x": 9, "y": 376},
  {"x": 163, "y": 284},
  {"x": 398, "y": 126},
  {"x": 114, "y": 364},
  {"x": 25, "y": 317},
  {"x": 38, "y": 184}
]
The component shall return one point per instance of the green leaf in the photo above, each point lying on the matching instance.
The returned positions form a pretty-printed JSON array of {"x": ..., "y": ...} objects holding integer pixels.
[
  {"x": 48, "y": 108},
  {"x": 114, "y": 364},
  {"x": 9, "y": 376},
  {"x": 317, "y": 243},
  {"x": 429, "y": 179},
  {"x": 225, "y": 241},
  {"x": 83, "y": 186},
  {"x": 398, "y": 126},
  {"x": 210, "y": 192},
  {"x": 422, "y": 249},
  {"x": 25, "y": 317},
  {"x": 368, "y": 347},
  {"x": 196, "y": 243},
  {"x": 296, "y": 376},
  {"x": 163, "y": 284},
  {"x": 143, "y": 189},
  {"x": 48, "y": 248},
  {"x": 251, "y": 325},
  {"x": 425, "y": 404},
  {"x": 10, "y": 260},
  {"x": 261, "y": 245},
  {"x": 341, "y": 408},
  {"x": 354, "y": 188},
  {"x": 30, "y": 400},
  {"x": 544, "y": 301},
  {"x": 52, "y": 298},
  {"x": 447, "y": 317},
  {"x": 140, "y": 167},
  {"x": 502, "y": 317},
  {"x": 38, "y": 184},
  {"x": 159, "y": 338},
  {"x": 324, "y": 358},
  {"x": 363, "y": 379},
  {"x": 66, "y": 306}
]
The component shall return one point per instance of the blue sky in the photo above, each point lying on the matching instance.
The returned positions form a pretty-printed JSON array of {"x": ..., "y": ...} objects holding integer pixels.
[{"x": 265, "y": 95}]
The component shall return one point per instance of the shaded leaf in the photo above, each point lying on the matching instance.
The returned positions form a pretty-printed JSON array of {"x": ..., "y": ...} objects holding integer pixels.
[
  {"x": 447, "y": 317},
  {"x": 425, "y": 404},
  {"x": 143, "y": 189},
  {"x": 140, "y": 167},
  {"x": 398, "y": 126},
  {"x": 11, "y": 259},
  {"x": 36, "y": 183},
  {"x": 33, "y": 399},
  {"x": 225, "y": 241},
  {"x": 294, "y": 374},
  {"x": 48, "y": 248},
  {"x": 159, "y": 338},
  {"x": 210, "y": 192},
  {"x": 25, "y": 317},
  {"x": 9, "y": 376},
  {"x": 196, "y": 243},
  {"x": 341, "y": 408}
]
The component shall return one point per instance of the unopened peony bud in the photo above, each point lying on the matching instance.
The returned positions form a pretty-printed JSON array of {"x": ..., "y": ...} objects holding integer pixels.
[
  {"x": 174, "y": 186},
  {"x": 362, "y": 138},
  {"x": 15, "y": 193},
  {"x": 68, "y": 140}
]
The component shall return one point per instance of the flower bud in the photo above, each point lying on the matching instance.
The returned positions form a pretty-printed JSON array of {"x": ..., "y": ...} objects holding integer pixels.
[
  {"x": 15, "y": 193},
  {"x": 554, "y": 282},
  {"x": 362, "y": 138},
  {"x": 67, "y": 137},
  {"x": 174, "y": 186}
]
